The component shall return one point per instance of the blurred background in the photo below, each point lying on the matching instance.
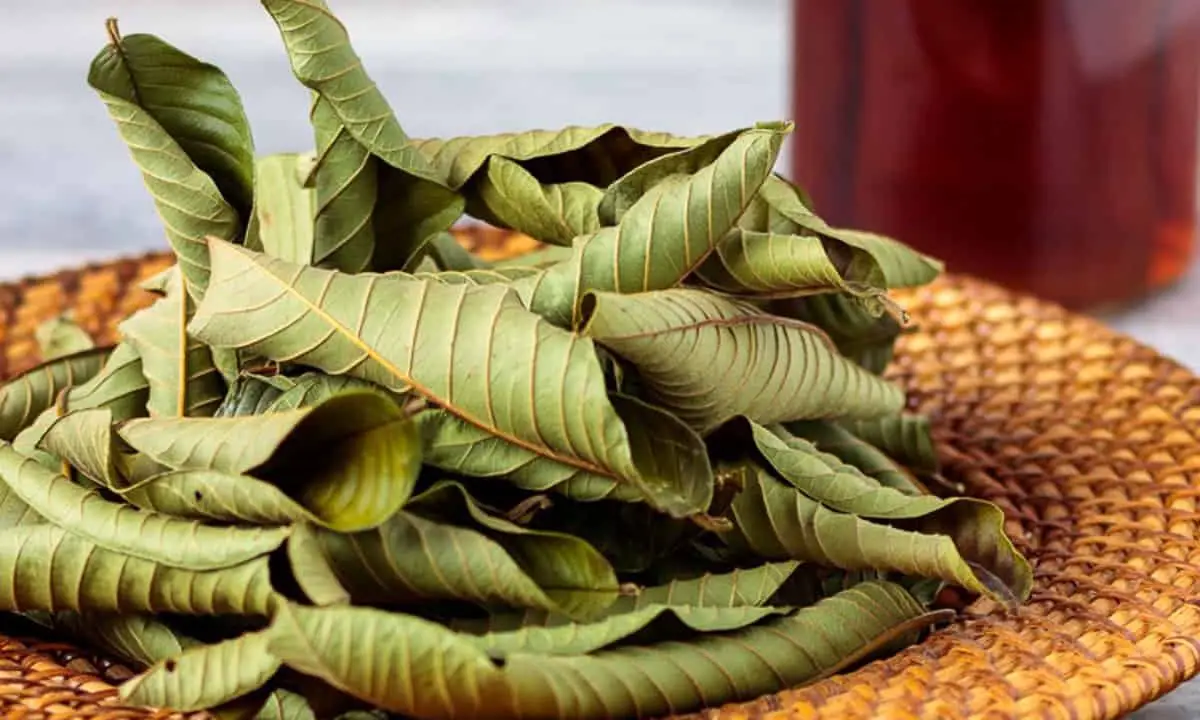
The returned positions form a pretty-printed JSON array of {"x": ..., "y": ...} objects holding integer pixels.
[
  {"x": 448, "y": 67},
  {"x": 451, "y": 67}
]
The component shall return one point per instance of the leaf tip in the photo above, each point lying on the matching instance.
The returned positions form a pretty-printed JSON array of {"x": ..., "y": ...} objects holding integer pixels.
[{"x": 113, "y": 30}]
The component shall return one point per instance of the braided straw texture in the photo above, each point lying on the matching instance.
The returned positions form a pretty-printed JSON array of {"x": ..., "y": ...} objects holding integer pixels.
[{"x": 1087, "y": 440}]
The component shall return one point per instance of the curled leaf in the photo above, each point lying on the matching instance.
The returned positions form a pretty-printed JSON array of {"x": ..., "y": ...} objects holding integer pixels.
[
  {"x": 284, "y": 207},
  {"x": 53, "y": 569},
  {"x": 214, "y": 496},
  {"x": 140, "y": 640},
  {"x": 860, "y": 335},
  {"x": 205, "y": 676},
  {"x": 485, "y": 560},
  {"x": 188, "y": 199},
  {"x": 511, "y": 197},
  {"x": 86, "y": 441},
  {"x": 710, "y": 603},
  {"x": 31, "y": 393},
  {"x": 252, "y": 395},
  {"x": 775, "y": 520},
  {"x": 127, "y": 530},
  {"x": 906, "y": 438},
  {"x": 833, "y": 438},
  {"x": 596, "y": 155},
  {"x": 182, "y": 375},
  {"x": 708, "y": 359},
  {"x": 630, "y": 681},
  {"x": 664, "y": 236},
  {"x": 59, "y": 337}
]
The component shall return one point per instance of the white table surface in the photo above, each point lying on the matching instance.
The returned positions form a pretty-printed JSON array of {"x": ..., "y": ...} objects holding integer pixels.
[{"x": 69, "y": 194}]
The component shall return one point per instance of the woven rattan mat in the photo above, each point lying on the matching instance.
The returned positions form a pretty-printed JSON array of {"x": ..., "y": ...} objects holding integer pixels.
[{"x": 1085, "y": 438}]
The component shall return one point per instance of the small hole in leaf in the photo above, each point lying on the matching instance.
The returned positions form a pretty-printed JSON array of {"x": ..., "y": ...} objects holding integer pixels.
[
  {"x": 198, "y": 495},
  {"x": 170, "y": 665}
]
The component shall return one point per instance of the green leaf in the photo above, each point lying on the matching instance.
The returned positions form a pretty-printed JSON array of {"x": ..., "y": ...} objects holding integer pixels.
[
  {"x": 332, "y": 643},
  {"x": 510, "y": 196},
  {"x": 180, "y": 371},
  {"x": 708, "y": 358},
  {"x": 861, "y": 336},
  {"x": 556, "y": 561},
  {"x": 284, "y": 207},
  {"x": 667, "y": 233},
  {"x": 906, "y": 438},
  {"x": 596, "y": 155},
  {"x": 519, "y": 391},
  {"x": 624, "y": 193},
  {"x": 761, "y": 265},
  {"x": 634, "y": 537},
  {"x": 85, "y": 440},
  {"x": 189, "y": 201},
  {"x": 544, "y": 633},
  {"x": 842, "y": 486},
  {"x": 284, "y": 705},
  {"x": 205, "y": 676},
  {"x": 411, "y": 220},
  {"x": 315, "y": 388},
  {"x": 346, "y": 187},
  {"x": 414, "y": 201},
  {"x": 776, "y": 521},
  {"x": 976, "y": 527},
  {"x": 119, "y": 387},
  {"x": 630, "y": 681},
  {"x": 193, "y": 101},
  {"x": 445, "y": 547},
  {"x": 836, "y": 440},
  {"x": 140, "y": 640},
  {"x": 322, "y": 59},
  {"x": 252, "y": 395},
  {"x": 122, "y": 528},
  {"x": 311, "y": 569},
  {"x": 352, "y": 460},
  {"x": 53, "y": 569},
  {"x": 31, "y": 393},
  {"x": 217, "y": 497},
  {"x": 901, "y": 265},
  {"x": 711, "y": 603},
  {"x": 60, "y": 337}
]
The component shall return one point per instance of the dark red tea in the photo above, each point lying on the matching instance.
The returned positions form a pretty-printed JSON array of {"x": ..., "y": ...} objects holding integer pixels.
[{"x": 1049, "y": 145}]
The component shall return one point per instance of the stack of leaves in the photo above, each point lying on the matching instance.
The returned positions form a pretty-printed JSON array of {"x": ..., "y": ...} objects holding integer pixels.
[{"x": 343, "y": 464}]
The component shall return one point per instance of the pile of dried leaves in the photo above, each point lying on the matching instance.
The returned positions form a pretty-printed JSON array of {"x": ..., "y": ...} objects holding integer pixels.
[{"x": 342, "y": 463}]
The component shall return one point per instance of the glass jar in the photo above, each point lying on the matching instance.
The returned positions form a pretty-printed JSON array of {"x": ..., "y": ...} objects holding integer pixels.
[{"x": 1048, "y": 145}]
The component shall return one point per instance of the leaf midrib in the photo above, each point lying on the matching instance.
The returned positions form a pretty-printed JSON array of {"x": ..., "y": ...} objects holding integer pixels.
[{"x": 425, "y": 392}]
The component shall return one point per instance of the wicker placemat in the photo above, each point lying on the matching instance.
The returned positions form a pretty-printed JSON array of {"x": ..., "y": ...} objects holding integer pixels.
[{"x": 1085, "y": 438}]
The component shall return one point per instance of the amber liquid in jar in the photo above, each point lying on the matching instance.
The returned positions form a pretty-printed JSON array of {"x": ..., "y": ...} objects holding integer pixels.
[{"x": 1048, "y": 145}]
